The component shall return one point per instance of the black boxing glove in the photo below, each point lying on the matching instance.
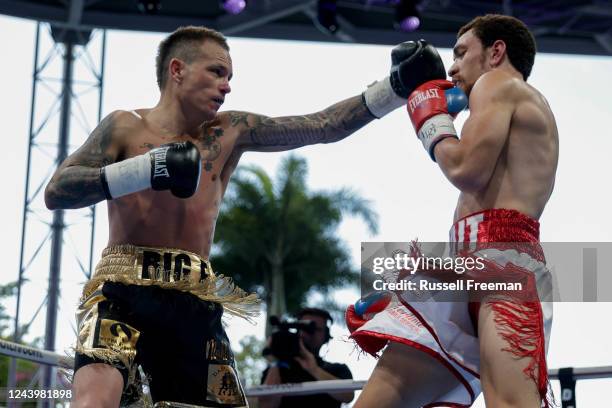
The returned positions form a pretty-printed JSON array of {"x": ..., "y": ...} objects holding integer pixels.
[
  {"x": 174, "y": 166},
  {"x": 412, "y": 63}
]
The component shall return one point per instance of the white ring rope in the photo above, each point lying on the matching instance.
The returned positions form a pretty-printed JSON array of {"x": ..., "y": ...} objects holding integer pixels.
[
  {"x": 305, "y": 388},
  {"x": 314, "y": 387},
  {"x": 33, "y": 354}
]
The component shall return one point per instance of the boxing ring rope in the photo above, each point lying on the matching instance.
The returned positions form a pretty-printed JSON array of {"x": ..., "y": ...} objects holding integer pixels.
[
  {"x": 331, "y": 386},
  {"x": 33, "y": 354},
  {"x": 315, "y": 387}
]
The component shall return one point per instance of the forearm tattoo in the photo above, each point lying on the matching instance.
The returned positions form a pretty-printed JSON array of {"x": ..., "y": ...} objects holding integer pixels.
[
  {"x": 78, "y": 187},
  {"x": 78, "y": 184},
  {"x": 328, "y": 126}
]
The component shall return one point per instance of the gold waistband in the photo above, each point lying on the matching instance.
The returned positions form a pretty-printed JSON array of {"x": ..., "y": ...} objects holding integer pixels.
[
  {"x": 158, "y": 264},
  {"x": 174, "y": 269}
]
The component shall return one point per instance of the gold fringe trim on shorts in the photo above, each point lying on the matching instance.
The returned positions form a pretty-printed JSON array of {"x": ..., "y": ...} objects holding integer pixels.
[{"x": 127, "y": 264}]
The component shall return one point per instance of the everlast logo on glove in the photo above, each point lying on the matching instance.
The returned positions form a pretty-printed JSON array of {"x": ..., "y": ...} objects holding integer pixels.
[
  {"x": 422, "y": 96},
  {"x": 430, "y": 115},
  {"x": 160, "y": 169}
]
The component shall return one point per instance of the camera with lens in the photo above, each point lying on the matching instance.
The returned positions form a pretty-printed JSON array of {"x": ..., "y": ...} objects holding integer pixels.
[{"x": 285, "y": 341}]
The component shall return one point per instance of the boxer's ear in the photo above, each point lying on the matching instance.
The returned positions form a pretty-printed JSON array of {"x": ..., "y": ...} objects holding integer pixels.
[
  {"x": 176, "y": 68},
  {"x": 497, "y": 53}
]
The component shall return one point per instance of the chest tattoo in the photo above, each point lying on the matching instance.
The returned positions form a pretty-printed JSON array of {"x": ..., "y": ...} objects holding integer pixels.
[{"x": 210, "y": 148}]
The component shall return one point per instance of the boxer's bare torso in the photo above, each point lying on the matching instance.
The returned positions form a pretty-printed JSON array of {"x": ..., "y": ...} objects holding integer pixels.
[
  {"x": 524, "y": 174},
  {"x": 508, "y": 153},
  {"x": 157, "y": 218}
]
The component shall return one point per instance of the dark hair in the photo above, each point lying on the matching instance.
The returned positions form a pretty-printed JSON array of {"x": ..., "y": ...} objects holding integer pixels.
[
  {"x": 315, "y": 312},
  {"x": 520, "y": 43},
  {"x": 320, "y": 313},
  {"x": 184, "y": 44}
]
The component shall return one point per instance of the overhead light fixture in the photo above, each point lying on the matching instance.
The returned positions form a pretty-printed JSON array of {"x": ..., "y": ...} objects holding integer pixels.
[
  {"x": 234, "y": 6},
  {"x": 407, "y": 15},
  {"x": 149, "y": 6},
  {"x": 326, "y": 16}
]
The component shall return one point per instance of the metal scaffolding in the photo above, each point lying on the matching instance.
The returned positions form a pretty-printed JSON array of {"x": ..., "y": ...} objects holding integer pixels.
[
  {"x": 566, "y": 27},
  {"x": 66, "y": 104}
]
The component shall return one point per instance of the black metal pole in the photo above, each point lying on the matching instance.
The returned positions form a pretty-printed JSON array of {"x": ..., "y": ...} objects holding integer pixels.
[{"x": 58, "y": 225}]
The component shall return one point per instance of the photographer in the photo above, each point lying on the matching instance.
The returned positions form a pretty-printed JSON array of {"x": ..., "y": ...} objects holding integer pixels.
[{"x": 300, "y": 362}]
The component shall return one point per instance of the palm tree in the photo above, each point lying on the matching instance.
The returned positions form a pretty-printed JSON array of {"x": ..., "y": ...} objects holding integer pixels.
[{"x": 279, "y": 240}]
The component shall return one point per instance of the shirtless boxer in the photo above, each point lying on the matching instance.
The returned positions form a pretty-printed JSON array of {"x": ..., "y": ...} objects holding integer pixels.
[
  {"x": 154, "y": 300},
  {"x": 504, "y": 165}
]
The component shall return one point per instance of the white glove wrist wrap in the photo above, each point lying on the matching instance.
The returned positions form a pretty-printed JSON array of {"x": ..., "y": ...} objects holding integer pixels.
[
  {"x": 434, "y": 130},
  {"x": 128, "y": 176},
  {"x": 381, "y": 99}
]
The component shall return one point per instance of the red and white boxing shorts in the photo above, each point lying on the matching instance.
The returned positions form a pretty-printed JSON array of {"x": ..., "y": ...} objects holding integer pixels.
[{"x": 509, "y": 241}]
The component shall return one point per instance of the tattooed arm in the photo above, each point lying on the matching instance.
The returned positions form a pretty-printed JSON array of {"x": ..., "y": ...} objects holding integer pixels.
[
  {"x": 265, "y": 134},
  {"x": 77, "y": 183}
]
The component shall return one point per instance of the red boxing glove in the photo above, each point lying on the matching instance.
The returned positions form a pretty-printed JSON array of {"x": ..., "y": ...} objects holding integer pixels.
[
  {"x": 368, "y": 343},
  {"x": 353, "y": 320},
  {"x": 428, "y": 111},
  {"x": 366, "y": 307}
]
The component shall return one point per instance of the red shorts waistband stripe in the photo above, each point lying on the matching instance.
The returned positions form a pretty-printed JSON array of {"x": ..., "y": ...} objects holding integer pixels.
[{"x": 495, "y": 225}]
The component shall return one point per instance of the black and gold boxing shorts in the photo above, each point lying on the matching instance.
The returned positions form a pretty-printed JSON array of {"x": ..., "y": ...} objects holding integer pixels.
[{"x": 161, "y": 309}]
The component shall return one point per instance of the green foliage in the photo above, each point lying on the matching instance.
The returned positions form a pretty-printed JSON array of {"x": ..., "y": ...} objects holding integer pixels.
[
  {"x": 268, "y": 229},
  {"x": 249, "y": 362},
  {"x": 6, "y": 321},
  {"x": 25, "y": 371}
]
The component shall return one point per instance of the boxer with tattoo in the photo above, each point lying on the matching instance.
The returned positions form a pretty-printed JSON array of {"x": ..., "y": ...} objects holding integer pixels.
[{"x": 154, "y": 300}]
